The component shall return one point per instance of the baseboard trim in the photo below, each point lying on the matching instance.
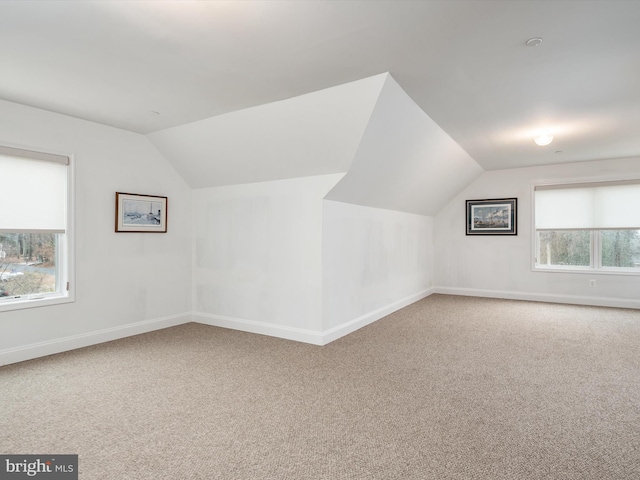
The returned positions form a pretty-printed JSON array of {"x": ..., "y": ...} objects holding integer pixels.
[
  {"x": 59, "y": 345},
  {"x": 542, "y": 297},
  {"x": 351, "y": 326},
  {"x": 271, "y": 329},
  {"x": 313, "y": 337}
]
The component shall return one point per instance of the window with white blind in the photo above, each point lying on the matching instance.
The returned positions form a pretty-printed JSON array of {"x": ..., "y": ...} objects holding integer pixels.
[
  {"x": 588, "y": 227},
  {"x": 35, "y": 237}
]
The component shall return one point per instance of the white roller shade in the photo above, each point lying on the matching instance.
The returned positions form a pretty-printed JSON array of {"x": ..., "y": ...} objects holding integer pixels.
[
  {"x": 33, "y": 191},
  {"x": 596, "y": 206}
]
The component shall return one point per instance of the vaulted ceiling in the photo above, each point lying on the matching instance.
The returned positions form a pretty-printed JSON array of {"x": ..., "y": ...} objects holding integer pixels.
[{"x": 464, "y": 63}]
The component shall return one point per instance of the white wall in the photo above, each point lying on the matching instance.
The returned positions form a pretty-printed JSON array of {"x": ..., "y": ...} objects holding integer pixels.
[
  {"x": 375, "y": 261},
  {"x": 274, "y": 258},
  {"x": 121, "y": 279},
  {"x": 501, "y": 266},
  {"x": 258, "y": 256}
]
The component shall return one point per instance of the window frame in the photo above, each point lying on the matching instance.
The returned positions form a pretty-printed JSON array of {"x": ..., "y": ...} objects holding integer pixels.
[
  {"x": 595, "y": 250},
  {"x": 65, "y": 248}
]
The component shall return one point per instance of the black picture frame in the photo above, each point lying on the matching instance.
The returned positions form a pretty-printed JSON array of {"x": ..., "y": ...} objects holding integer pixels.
[{"x": 492, "y": 216}]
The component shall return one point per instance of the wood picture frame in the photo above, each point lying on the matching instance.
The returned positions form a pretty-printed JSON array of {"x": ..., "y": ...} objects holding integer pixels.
[{"x": 141, "y": 213}]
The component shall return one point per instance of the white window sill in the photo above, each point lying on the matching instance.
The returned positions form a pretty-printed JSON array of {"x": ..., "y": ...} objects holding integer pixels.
[
  {"x": 32, "y": 301},
  {"x": 589, "y": 270}
]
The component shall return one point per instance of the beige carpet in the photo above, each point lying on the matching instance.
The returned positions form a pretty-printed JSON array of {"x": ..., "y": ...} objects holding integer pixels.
[{"x": 447, "y": 388}]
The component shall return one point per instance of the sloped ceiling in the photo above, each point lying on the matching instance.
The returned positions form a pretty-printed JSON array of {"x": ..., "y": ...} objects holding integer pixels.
[
  {"x": 405, "y": 161},
  {"x": 394, "y": 156},
  {"x": 313, "y": 134}
]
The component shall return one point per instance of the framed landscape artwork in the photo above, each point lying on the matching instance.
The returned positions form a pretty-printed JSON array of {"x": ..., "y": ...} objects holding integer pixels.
[
  {"x": 141, "y": 213},
  {"x": 497, "y": 216}
]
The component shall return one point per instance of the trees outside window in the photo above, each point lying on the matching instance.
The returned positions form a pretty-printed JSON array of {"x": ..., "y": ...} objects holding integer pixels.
[
  {"x": 620, "y": 248},
  {"x": 27, "y": 264},
  {"x": 565, "y": 247},
  {"x": 617, "y": 250}
]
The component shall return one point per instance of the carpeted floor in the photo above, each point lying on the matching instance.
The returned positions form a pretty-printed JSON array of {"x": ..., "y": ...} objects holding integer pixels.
[{"x": 447, "y": 388}]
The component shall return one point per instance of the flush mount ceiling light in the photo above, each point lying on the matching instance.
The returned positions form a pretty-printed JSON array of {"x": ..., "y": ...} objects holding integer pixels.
[
  {"x": 543, "y": 140},
  {"x": 533, "y": 42}
]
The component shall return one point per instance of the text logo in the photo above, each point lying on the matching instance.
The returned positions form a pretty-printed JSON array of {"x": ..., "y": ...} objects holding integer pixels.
[{"x": 49, "y": 467}]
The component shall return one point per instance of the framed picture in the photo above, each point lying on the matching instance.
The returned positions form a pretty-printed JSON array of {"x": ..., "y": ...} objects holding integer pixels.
[
  {"x": 141, "y": 213},
  {"x": 496, "y": 216}
]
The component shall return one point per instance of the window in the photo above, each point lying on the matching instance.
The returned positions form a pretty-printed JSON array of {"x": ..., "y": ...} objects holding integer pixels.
[
  {"x": 35, "y": 260},
  {"x": 588, "y": 227}
]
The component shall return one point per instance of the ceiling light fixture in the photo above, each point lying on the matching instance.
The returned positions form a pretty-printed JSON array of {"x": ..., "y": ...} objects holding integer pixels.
[
  {"x": 533, "y": 42},
  {"x": 543, "y": 140}
]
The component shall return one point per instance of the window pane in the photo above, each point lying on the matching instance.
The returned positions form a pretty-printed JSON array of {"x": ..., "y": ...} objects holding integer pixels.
[
  {"x": 564, "y": 247},
  {"x": 27, "y": 264},
  {"x": 620, "y": 248}
]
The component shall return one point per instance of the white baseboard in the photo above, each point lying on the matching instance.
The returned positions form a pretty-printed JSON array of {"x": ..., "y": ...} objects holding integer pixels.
[
  {"x": 313, "y": 337},
  {"x": 542, "y": 297},
  {"x": 41, "y": 349},
  {"x": 262, "y": 328},
  {"x": 50, "y": 347},
  {"x": 334, "y": 333}
]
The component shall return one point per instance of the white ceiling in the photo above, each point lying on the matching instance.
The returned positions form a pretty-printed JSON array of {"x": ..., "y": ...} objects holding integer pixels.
[{"x": 464, "y": 63}]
